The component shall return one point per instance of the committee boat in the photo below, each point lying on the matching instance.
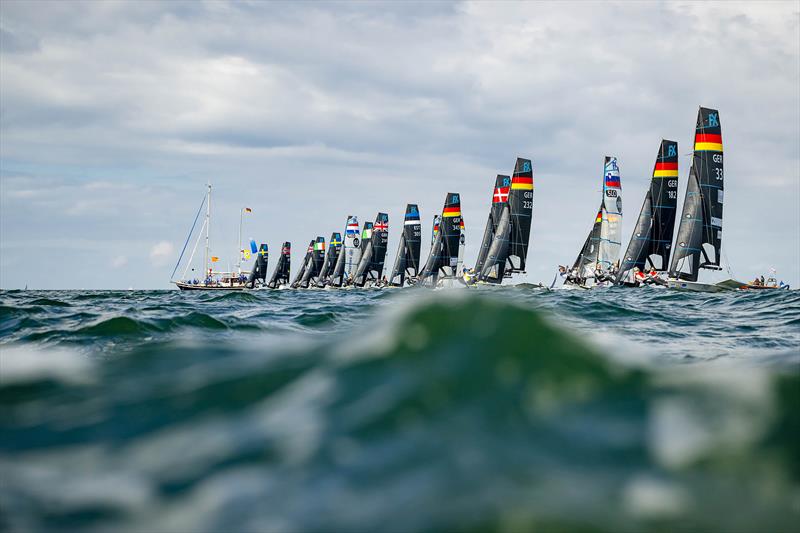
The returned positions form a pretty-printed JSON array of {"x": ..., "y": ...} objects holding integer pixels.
[
  {"x": 651, "y": 242},
  {"x": 209, "y": 279},
  {"x": 698, "y": 245},
  {"x": 599, "y": 256}
]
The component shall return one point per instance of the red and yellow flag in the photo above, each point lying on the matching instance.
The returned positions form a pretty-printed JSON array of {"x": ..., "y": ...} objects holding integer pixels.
[
  {"x": 708, "y": 141},
  {"x": 214, "y": 258},
  {"x": 666, "y": 170},
  {"x": 522, "y": 182},
  {"x": 451, "y": 212}
]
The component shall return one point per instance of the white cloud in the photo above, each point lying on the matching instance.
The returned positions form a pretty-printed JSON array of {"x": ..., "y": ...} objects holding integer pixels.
[
  {"x": 120, "y": 261},
  {"x": 162, "y": 253}
]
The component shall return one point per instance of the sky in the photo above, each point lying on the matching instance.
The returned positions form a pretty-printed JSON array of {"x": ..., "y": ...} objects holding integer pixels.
[{"x": 114, "y": 116}]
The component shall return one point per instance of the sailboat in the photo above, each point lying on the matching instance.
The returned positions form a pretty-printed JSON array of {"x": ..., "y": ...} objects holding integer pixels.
[
  {"x": 406, "y": 263},
  {"x": 258, "y": 276},
  {"x": 599, "y": 255},
  {"x": 307, "y": 264},
  {"x": 280, "y": 277},
  {"x": 698, "y": 244},
  {"x": 370, "y": 268},
  {"x": 493, "y": 252},
  {"x": 651, "y": 242},
  {"x": 210, "y": 279},
  {"x": 331, "y": 259},
  {"x": 443, "y": 258},
  {"x": 316, "y": 257},
  {"x": 504, "y": 248}
]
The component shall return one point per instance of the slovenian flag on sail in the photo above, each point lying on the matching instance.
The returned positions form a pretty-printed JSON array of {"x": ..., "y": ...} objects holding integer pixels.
[{"x": 612, "y": 179}]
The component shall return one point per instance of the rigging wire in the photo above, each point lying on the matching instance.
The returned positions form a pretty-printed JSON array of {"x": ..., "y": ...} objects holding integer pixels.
[{"x": 189, "y": 236}]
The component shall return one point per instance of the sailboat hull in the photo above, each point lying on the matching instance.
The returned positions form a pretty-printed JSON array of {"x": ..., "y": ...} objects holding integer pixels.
[
  {"x": 695, "y": 286},
  {"x": 190, "y": 287}
]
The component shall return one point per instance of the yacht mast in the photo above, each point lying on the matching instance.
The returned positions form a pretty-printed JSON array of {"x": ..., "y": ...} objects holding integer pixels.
[{"x": 208, "y": 225}]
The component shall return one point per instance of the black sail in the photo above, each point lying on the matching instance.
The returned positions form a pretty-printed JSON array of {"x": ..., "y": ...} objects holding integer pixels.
[
  {"x": 281, "y": 274},
  {"x": 307, "y": 265},
  {"x": 521, "y": 202},
  {"x": 259, "y": 272},
  {"x": 500, "y": 193},
  {"x": 380, "y": 240},
  {"x": 406, "y": 264},
  {"x": 444, "y": 252},
  {"x": 651, "y": 242},
  {"x": 694, "y": 252},
  {"x": 334, "y": 249}
]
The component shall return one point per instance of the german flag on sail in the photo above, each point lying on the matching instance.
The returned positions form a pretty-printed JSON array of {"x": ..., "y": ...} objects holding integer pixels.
[
  {"x": 707, "y": 142},
  {"x": 666, "y": 170},
  {"x": 522, "y": 182},
  {"x": 599, "y": 217},
  {"x": 452, "y": 211}
]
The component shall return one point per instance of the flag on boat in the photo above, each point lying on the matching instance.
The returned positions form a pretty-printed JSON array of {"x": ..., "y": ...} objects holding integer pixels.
[
  {"x": 253, "y": 247},
  {"x": 214, "y": 258},
  {"x": 599, "y": 217},
  {"x": 248, "y": 210},
  {"x": 708, "y": 142},
  {"x": 452, "y": 211},
  {"x": 246, "y": 254}
]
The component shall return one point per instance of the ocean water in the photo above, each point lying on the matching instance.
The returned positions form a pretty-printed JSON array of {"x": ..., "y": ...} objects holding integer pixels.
[{"x": 512, "y": 409}]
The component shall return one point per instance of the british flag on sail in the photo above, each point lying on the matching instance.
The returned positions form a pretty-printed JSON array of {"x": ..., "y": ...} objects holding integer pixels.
[{"x": 381, "y": 225}]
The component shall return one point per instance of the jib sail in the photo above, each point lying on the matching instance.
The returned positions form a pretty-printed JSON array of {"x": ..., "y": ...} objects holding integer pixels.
[
  {"x": 651, "y": 241},
  {"x": 699, "y": 240},
  {"x": 359, "y": 276},
  {"x": 587, "y": 258},
  {"x": 406, "y": 263},
  {"x": 259, "y": 272},
  {"x": 521, "y": 204},
  {"x": 444, "y": 252},
  {"x": 281, "y": 274},
  {"x": 308, "y": 264}
]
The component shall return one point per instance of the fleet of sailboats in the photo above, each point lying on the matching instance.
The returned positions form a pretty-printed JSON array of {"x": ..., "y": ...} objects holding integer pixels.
[{"x": 650, "y": 258}]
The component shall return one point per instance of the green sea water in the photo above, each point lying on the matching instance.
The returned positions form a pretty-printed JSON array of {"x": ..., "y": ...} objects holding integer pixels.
[{"x": 512, "y": 409}]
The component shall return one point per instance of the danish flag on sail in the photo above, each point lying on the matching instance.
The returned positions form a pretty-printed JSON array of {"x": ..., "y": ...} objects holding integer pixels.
[{"x": 500, "y": 195}]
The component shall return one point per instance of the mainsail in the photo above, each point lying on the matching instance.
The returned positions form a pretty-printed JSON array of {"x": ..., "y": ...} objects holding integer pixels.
[
  {"x": 521, "y": 205},
  {"x": 444, "y": 252},
  {"x": 281, "y": 274},
  {"x": 352, "y": 247},
  {"x": 371, "y": 266},
  {"x": 500, "y": 193},
  {"x": 650, "y": 244},
  {"x": 699, "y": 239},
  {"x": 259, "y": 272},
  {"x": 406, "y": 264},
  {"x": 331, "y": 259},
  {"x": 308, "y": 262},
  {"x": 611, "y": 225}
]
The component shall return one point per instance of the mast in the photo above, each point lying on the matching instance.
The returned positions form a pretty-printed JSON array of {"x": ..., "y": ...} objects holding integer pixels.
[
  {"x": 208, "y": 227},
  {"x": 407, "y": 261}
]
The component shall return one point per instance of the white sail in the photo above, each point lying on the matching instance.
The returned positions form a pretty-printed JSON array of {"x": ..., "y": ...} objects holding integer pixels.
[
  {"x": 352, "y": 247},
  {"x": 611, "y": 225}
]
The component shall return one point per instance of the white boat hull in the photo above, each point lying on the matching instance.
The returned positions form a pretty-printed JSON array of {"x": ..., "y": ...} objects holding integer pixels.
[{"x": 722, "y": 286}]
